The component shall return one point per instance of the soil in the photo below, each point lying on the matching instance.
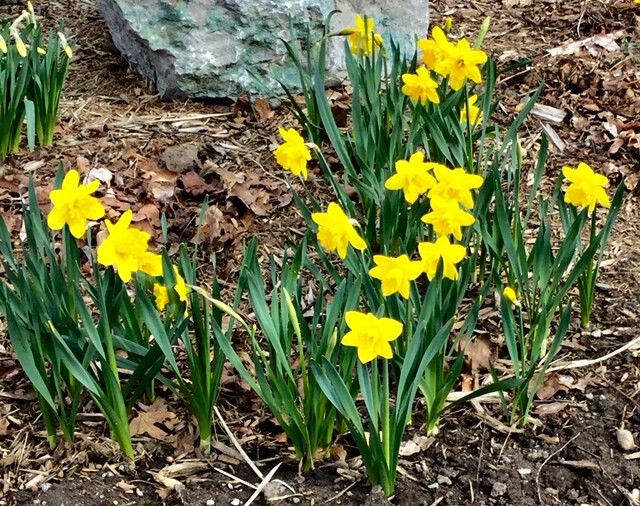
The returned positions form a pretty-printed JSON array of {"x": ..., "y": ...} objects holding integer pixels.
[{"x": 569, "y": 454}]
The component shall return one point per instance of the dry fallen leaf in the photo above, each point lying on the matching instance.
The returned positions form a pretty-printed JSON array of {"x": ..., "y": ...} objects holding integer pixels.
[
  {"x": 145, "y": 422},
  {"x": 162, "y": 185},
  {"x": 550, "y": 385}
]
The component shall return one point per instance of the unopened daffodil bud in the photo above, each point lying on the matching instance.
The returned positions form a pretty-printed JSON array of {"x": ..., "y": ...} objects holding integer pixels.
[
  {"x": 65, "y": 45},
  {"x": 42, "y": 51},
  {"x": 448, "y": 23},
  {"x": 20, "y": 46},
  {"x": 3, "y": 45},
  {"x": 510, "y": 294}
]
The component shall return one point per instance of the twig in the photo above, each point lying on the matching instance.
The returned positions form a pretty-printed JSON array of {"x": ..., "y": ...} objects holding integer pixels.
[
  {"x": 239, "y": 480},
  {"x": 584, "y": 363},
  {"x": 341, "y": 493},
  {"x": 237, "y": 445},
  {"x": 547, "y": 460},
  {"x": 265, "y": 481}
]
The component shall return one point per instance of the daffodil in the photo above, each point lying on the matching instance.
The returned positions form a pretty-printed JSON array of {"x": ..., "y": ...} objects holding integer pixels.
[
  {"x": 396, "y": 274},
  {"x": 450, "y": 254},
  {"x": 471, "y": 111},
  {"x": 362, "y": 37},
  {"x": 455, "y": 184},
  {"x": 587, "y": 188},
  {"x": 293, "y": 154},
  {"x": 510, "y": 295},
  {"x": 371, "y": 335},
  {"x": 20, "y": 45},
  {"x": 420, "y": 87},
  {"x": 65, "y": 45},
  {"x": 336, "y": 232},
  {"x": 181, "y": 287},
  {"x": 124, "y": 247},
  {"x": 436, "y": 49},
  {"x": 447, "y": 218},
  {"x": 161, "y": 295},
  {"x": 73, "y": 205},
  {"x": 412, "y": 177},
  {"x": 461, "y": 63},
  {"x": 3, "y": 45},
  {"x": 150, "y": 263}
]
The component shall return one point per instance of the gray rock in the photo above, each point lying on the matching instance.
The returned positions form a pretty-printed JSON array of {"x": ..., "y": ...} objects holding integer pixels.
[
  {"x": 498, "y": 489},
  {"x": 225, "y": 48}
]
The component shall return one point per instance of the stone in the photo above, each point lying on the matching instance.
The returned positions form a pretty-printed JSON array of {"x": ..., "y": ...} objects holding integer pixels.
[
  {"x": 227, "y": 48},
  {"x": 498, "y": 489}
]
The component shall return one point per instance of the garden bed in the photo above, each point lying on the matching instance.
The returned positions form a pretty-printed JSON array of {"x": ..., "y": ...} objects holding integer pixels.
[{"x": 569, "y": 454}]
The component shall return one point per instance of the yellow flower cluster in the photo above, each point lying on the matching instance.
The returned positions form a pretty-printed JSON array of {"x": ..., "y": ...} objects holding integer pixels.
[{"x": 125, "y": 248}]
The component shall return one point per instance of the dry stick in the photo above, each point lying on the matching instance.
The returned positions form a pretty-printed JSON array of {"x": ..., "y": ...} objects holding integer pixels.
[
  {"x": 263, "y": 484},
  {"x": 584, "y": 363},
  {"x": 229, "y": 475},
  {"x": 547, "y": 460},
  {"x": 236, "y": 443}
]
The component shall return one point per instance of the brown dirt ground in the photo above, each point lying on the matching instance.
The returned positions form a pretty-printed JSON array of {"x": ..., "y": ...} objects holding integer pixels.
[{"x": 110, "y": 118}]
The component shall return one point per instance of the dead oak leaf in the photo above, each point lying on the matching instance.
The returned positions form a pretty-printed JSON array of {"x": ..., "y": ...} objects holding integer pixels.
[
  {"x": 162, "y": 185},
  {"x": 194, "y": 183},
  {"x": 145, "y": 423}
]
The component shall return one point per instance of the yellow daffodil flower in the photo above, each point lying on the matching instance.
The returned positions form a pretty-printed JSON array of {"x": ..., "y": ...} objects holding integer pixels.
[
  {"x": 293, "y": 155},
  {"x": 447, "y": 218},
  {"x": 124, "y": 247},
  {"x": 161, "y": 295},
  {"x": 432, "y": 252},
  {"x": 151, "y": 264},
  {"x": 455, "y": 184},
  {"x": 471, "y": 111},
  {"x": 41, "y": 51},
  {"x": 412, "y": 177},
  {"x": 420, "y": 87},
  {"x": 462, "y": 63},
  {"x": 336, "y": 232},
  {"x": 73, "y": 205},
  {"x": 371, "y": 335},
  {"x": 362, "y": 37},
  {"x": 3, "y": 45},
  {"x": 587, "y": 188},
  {"x": 181, "y": 287},
  {"x": 436, "y": 49},
  {"x": 510, "y": 295},
  {"x": 396, "y": 274}
]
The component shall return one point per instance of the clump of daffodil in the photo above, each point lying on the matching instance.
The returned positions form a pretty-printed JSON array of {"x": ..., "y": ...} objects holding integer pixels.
[
  {"x": 371, "y": 335},
  {"x": 447, "y": 218},
  {"x": 395, "y": 274},
  {"x": 460, "y": 63},
  {"x": 421, "y": 87},
  {"x": 436, "y": 49},
  {"x": 293, "y": 154},
  {"x": 433, "y": 252},
  {"x": 471, "y": 111},
  {"x": 362, "y": 38},
  {"x": 412, "y": 177},
  {"x": 587, "y": 188},
  {"x": 511, "y": 296},
  {"x": 73, "y": 205},
  {"x": 124, "y": 247},
  {"x": 336, "y": 232},
  {"x": 455, "y": 184}
]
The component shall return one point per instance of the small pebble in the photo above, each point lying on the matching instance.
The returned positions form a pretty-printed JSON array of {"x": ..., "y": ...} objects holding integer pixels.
[
  {"x": 46, "y": 486},
  {"x": 498, "y": 489},
  {"x": 444, "y": 480},
  {"x": 524, "y": 471},
  {"x": 597, "y": 333},
  {"x": 433, "y": 486},
  {"x": 589, "y": 396},
  {"x": 625, "y": 439},
  {"x": 235, "y": 502},
  {"x": 210, "y": 502},
  {"x": 296, "y": 500}
]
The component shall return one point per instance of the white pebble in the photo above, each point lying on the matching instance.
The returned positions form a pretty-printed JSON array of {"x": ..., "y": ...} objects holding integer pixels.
[
  {"x": 210, "y": 502},
  {"x": 235, "y": 502},
  {"x": 625, "y": 439}
]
